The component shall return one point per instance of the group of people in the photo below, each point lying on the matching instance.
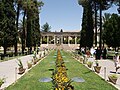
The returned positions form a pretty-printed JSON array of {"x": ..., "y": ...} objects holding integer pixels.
[
  {"x": 102, "y": 53},
  {"x": 98, "y": 53}
]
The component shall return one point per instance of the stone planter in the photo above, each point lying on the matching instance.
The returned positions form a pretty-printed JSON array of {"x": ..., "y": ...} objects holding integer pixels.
[
  {"x": 89, "y": 64},
  {"x": 97, "y": 69},
  {"x": 81, "y": 60},
  {"x": 2, "y": 80},
  {"x": 113, "y": 78},
  {"x": 21, "y": 70},
  {"x": 34, "y": 62},
  {"x": 29, "y": 65}
]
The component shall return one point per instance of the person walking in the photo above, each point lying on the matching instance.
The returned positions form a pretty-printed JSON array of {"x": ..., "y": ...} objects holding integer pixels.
[{"x": 98, "y": 53}]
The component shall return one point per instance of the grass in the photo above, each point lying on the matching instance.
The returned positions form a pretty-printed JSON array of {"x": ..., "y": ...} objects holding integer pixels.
[
  {"x": 30, "y": 80},
  {"x": 92, "y": 80}
]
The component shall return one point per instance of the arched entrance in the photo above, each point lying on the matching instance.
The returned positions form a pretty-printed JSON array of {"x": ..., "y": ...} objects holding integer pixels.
[{"x": 58, "y": 40}]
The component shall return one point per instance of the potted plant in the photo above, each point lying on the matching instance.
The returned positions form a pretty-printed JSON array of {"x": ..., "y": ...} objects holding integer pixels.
[
  {"x": 29, "y": 64},
  {"x": 97, "y": 67},
  {"x": 81, "y": 59},
  {"x": 34, "y": 61},
  {"x": 2, "y": 80},
  {"x": 113, "y": 78},
  {"x": 21, "y": 69},
  {"x": 34, "y": 58},
  {"x": 89, "y": 64}
]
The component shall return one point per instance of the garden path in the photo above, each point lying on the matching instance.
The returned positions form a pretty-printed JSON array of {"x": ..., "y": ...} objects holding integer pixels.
[
  {"x": 8, "y": 70},
  {"x": 107, "y": 68}
]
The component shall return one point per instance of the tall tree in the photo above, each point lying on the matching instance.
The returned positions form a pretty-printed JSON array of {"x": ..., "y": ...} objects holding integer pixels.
[
  {"x": 8, "y": 24},
  {"x": 46, "y": 27},
  {"x": 18, "y": 8},
  {"x": 95, "y": 9},
  {"x": 102, "y": 5},
  {"x": 2, "y": 22},
  {"x": 83, "y": 31},
  {"x": 23, "y": 34},
  {"x": 105, "y": 18},
  {"x": 32, "y": 23},
  {"x": 112, "y": 31},
  {"x": 90, "y": 32},
  {"x": 30, "y": 17},
  {"x": 87, "y": 24},
  {"x": 36, "y": 30}
]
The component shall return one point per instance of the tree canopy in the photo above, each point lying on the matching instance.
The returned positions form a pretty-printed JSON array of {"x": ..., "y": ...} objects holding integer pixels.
[
  {"x": 10, "y": 32},
  {"x": 46, "y": 27},
  {"x": 111, "y": 33}
]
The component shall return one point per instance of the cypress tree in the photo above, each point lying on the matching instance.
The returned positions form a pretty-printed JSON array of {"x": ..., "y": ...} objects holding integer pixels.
[
  {"x": 8, "y": 24},
  {"x": 87, "y": 26}
]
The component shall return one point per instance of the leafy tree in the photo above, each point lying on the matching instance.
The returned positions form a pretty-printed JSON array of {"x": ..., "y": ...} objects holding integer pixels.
[
  {"x": 106, "y": 17},
  {"x": 112, "y": 31},
  {"x": 8, "y": 24},
  {"x": 98, "y": 5},
  {"x": 46, "y": 27},
  {"x": 2, "y": 22},
  {"x": 102, "y": 5}
]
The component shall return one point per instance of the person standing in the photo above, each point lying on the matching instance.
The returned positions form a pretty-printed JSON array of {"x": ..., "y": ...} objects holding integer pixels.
[
  {"x": 98, "y": 53},
  {"x": 104, "y": 53},
  {"x": 117, "y": 61},
  {"x": 92, "y": 51}
]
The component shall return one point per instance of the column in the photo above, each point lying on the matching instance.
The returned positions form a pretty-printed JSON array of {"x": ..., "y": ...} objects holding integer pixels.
[
  {"x": 69, "y": 40},
  {"x": 61, "y": 39},
  {"x": 47, "y": 40},
  {"x": 54, "y": 39},
  {"x": 75, "y": 40}
]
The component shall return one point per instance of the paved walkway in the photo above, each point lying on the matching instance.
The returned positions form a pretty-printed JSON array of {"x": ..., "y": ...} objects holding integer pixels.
[
  {"x": 9, "y": 72},
  {"x": 107, "y": 68}
]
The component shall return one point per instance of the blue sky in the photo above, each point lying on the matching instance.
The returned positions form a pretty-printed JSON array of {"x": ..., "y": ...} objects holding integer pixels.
[{"x": 64, "y": 14}]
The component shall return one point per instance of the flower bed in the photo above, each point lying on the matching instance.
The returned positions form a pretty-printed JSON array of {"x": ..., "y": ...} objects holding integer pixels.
[{"x": 60, "y": 79}]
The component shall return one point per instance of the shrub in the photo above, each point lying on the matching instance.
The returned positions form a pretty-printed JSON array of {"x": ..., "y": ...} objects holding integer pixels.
[
  {"x": 2, "y": 80},
  {"x": 20, "y": 63},
  {"x": 113, "y": 76}
]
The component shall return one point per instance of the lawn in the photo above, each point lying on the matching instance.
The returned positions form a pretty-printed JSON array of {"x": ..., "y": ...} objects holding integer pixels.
[{"x": 30, "y": 81}]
